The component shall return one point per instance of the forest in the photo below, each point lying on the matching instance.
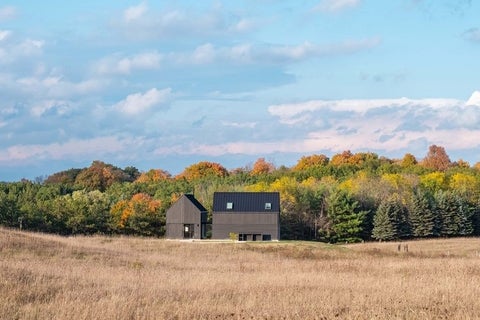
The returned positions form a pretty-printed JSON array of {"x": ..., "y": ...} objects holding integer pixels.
[{"x": 350, "y": 197}]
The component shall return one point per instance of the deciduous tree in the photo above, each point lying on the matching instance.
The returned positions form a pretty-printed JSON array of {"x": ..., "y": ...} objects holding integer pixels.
[
  {"x": 437, "y": 159},
  {"x": 153, "y": 175},
  {"x": 261, "y": 166},
  {"x": 408, "y": 160},
  {"x": 140, "y": 215},
  {"x": 315, "y": 160},
  {"x": 203, "y": 169},
  {"x": 99, "y": 176}
]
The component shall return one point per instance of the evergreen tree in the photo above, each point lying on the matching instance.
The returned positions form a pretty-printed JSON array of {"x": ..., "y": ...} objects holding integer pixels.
[
  {"x": 455, "y": 214},
  {"x": 390, "y": 221},
  {"x": 346, "y": 217},
  {"x": 476, "y": 218},
  {"x": 445, "y": 209},
  {"x": 422, "y": 215},
  {"x": 465, "y": 217}
]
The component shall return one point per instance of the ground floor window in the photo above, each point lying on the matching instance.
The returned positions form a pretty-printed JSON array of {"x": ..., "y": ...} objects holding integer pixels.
[
  {"x": 188, "y": 231},
  {"x": 254, "y": 237}
]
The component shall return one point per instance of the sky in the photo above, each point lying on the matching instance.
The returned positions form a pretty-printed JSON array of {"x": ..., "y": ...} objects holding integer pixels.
[{"x": 166, "y": 84}]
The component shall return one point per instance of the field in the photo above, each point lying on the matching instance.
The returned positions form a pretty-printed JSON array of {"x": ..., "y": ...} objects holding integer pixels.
[{"x": 50, "y": 277}]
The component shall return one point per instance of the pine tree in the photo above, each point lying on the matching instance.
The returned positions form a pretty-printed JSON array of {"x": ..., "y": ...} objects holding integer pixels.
[
  {"x": 422, "y": 216},
  {"x": 346, "y": 218},
  {"x": 390, "y": 221},
  {"x": 446, "y": 209},
  {"x": 464, "y": 217}
]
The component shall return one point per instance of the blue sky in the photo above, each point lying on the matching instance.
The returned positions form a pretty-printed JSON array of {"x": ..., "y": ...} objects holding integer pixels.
[{"x": 165, "y": 84}]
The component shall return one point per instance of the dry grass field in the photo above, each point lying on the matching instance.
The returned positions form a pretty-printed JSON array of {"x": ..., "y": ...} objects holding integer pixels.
[{"x": 50, "y": 277}]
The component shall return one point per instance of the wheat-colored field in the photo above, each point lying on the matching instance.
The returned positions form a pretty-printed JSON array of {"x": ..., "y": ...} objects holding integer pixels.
[{"x": 50, "y": 277}]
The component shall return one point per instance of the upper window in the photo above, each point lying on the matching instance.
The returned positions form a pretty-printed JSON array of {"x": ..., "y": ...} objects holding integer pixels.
[
  {"x": 268, "y": 206},
  {"x": 229, "y": 205}
]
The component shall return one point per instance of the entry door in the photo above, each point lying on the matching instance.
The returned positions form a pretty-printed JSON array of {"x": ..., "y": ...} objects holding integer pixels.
[{"x": 188, "y": 231}]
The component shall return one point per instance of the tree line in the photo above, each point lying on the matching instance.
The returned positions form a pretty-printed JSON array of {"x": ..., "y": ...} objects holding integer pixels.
[{"x": 349, "y": 198}]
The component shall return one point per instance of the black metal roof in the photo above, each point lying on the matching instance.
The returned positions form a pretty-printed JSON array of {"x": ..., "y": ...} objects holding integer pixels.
[
  {"x": 195, "y": 202},
  {"x": 246, "y": 201}
]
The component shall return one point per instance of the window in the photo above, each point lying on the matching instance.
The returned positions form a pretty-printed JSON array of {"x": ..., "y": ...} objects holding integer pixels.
[
  {"x": 242, "y": 237},
  {"x": 229, "y": 205},
  {"x": 267, "y": 237},
  {"x": 188, "y": 231},
  {"x": 268, "y": 206}
]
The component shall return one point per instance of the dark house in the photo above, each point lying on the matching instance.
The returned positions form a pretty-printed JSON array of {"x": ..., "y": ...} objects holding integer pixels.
[
  {"x": 186, "y": 219},
  {"x": 253, "y": 216}
]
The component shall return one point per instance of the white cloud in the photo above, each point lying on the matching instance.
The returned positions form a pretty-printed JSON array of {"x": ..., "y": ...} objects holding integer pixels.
[
  {"x": 472, "y": 35},
  {"x": 390, "y": 125},
  {"x": 4, "y": 34},
  {"x": 126, "y": 65},
  {"x": 56, "y": 87},
  {"x": 31, "y": 46},
  {"x": 292, "y": 111},
  {"x": 15, "y": 49},
  {"x": 141, "y": 22},
  {"x": 269, "y": 54},
  {"x": 474, "y": 99},
  {"x": 40, "y": 108},
  {"x": 250, "y": 125},
  {"x": 69, "y": 150},
  {"x": 7, "y": 12},
  {"x": 135, "y": 12},
  {"x": 330, "y": 140},
  {"x": 336, "y": 5},
  {"x": 244, "y": 25},
  {"x": 140, "y": 102},
  {"x": 204, "y": 54}
]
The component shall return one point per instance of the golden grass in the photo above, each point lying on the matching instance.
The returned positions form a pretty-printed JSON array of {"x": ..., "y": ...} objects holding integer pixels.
[{"x": 50, "y": 277}]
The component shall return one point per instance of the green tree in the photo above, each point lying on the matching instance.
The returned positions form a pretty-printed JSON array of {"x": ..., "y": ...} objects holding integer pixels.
[
  {"x": 390, "y": 221},
  {"x": 345, "y": 216},
  {"x": 422, "y": 215},
  {"x": 9, "y": 210},
  {"x": 455, "y": 214},
  {"x": 89, "y": 212},
  {"x": 408, "y": 160}
]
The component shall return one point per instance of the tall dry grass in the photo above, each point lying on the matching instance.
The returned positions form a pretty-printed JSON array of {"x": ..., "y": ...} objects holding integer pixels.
[{"x": 49, "y": 277}]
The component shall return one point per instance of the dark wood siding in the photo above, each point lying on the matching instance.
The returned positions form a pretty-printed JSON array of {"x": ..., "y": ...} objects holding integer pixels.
[
  {"x": 186, "y": 210},
  {"x": 252, "y": 215},
  {"x": 251, "y": 223}
]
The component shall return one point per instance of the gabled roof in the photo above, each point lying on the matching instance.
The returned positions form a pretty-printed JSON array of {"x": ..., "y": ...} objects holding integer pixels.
[
  {"x": 246, "y": 201},
  {"x": 195, "y": 202}
]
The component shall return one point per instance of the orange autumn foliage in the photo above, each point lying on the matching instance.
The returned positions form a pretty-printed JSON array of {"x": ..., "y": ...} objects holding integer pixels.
[
  {"x": 262, "y": 167},
  {"x": 153, "y": 175},
  {"x": 203, "y": 169},
  {"x": 139, "y": 204}
]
